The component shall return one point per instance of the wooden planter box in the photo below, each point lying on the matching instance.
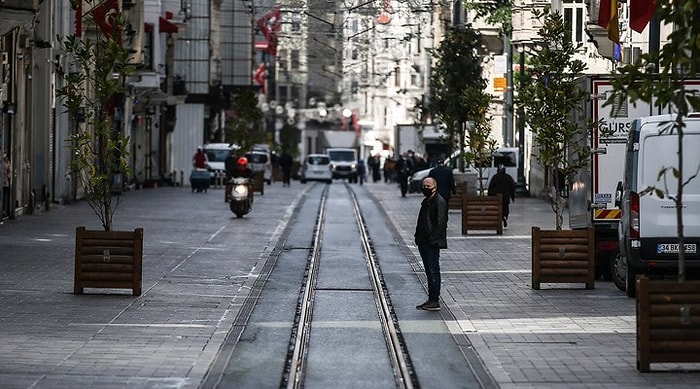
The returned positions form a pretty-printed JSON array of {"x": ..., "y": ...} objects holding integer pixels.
[
  {"x": 108, "y": 259},
  {"x": 482, "y": 213},
  {"x": 565, "y": 256},
  {"x": 456, "y": 199},
  {"x": 668, "y": 322}
]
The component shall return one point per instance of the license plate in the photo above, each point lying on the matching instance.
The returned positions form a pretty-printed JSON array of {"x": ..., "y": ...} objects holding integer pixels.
[{"x": 672, "y": 248}]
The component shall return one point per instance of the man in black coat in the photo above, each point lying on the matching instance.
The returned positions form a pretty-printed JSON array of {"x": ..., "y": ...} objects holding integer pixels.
[
  {"x": 430, "y": 238},
  {"x": 504, "y": 184},
  {"x": 445, "y": 180}
]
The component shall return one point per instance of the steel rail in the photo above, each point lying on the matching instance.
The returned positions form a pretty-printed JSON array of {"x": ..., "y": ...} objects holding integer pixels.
[
  {"x": 295, "y": 376},
  {"x": 403, "y": 371}
]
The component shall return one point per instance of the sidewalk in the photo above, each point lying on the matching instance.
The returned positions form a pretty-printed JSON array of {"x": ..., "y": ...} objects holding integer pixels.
[{"x": 561, "y": 336}]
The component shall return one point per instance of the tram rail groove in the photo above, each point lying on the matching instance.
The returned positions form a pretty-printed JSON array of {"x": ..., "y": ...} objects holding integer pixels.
[
  {"x": 294, "y": 369},
  {"x": 404, "y": 375}
]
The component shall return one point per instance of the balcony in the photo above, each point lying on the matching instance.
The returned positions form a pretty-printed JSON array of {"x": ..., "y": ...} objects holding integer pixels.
[{"x": 17, "y": 12}]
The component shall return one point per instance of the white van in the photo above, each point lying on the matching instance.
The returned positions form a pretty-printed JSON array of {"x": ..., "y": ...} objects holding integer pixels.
[
  {"x": 506, "y": 156},
  {"x": 343, "y": 163},
  {"x": 647, "y": 230},
  {"x": 217, "y": 154}
]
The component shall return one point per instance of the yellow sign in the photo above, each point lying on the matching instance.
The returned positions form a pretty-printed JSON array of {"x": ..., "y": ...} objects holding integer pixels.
[{"x": 499, "y": 84}]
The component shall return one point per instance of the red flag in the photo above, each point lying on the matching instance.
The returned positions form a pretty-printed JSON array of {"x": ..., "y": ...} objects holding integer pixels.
[
  {"x": 79, "y": 20},
  {"x": 105, "y": 16},
  {"x": 269, "y": 25},
  {"x": 641, "y": 12},
  {"x": 604, "y": 13},
  {"x": 259, "y": 77},
  {"x": 607, "y": 18}
]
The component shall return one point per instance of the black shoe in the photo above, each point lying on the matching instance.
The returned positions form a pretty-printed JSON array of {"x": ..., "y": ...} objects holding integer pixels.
[
  {"x": 505, "y": 222},
  {"x": 429, "y": 306}
]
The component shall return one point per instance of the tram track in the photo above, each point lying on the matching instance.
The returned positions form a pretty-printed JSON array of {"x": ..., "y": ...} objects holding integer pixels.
[
  {"x": 319, "y": 313},
  {"x": 294, "y": 374}
]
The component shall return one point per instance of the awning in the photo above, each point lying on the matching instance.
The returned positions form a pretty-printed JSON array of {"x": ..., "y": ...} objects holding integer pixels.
[
  {"x": 12, "y": 19},
  {"x": 166, "y": 26}
]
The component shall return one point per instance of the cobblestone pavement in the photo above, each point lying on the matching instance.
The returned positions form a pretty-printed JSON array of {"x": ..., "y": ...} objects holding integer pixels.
[{"x": 561, "y": 336}]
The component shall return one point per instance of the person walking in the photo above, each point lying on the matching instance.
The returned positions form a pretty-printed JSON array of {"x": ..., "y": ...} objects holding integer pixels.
[
  {"x": 404, "y": 169},
  {"x": 286, "y": 161},
  {"x": 504, "y": 184},
  {"x": 373, "y": 164},
  {"x": 6, "y": 180},
  {"x": 361, "y": 171},
  {"x": 430, "y": 238},
  {"x": 199, "y": 159},
  {"x": 445, "y": 180}
]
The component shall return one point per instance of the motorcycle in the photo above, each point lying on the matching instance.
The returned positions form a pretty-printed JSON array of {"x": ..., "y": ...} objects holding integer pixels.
[{"x": 241, "y": 196}]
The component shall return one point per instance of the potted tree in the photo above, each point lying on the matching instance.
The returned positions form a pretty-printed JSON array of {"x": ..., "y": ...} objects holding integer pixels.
[
  {"x": 243, "y": 129},
  {"x": 552, "y": 102},
  {"x": 667, "y": 320},
  {"x": 480, "y": 212},
  {"x": 457, "y": 91},
  {"x": 93, "y": 95}
]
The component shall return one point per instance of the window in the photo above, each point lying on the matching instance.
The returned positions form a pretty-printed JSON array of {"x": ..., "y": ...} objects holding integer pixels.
[
  {"x": 574, "y": 17},
  {"x": 294, "y": 59}
]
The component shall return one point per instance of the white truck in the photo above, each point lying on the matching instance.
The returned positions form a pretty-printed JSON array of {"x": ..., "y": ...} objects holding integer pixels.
[{"x": 593, "y": 194}]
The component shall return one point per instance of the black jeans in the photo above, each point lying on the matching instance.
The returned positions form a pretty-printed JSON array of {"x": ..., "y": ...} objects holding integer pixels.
[{"x": 431, "y": 261}]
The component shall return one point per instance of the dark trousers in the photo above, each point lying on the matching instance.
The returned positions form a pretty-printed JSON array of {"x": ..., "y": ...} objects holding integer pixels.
[
  {"x": 5, "y": 202},
  {"x": 286, "y": 175},
  {"x": 403, "y": 183},
  {"x": 431, "y": 262}
]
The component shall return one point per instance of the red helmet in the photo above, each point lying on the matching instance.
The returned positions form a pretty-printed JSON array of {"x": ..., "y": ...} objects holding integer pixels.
[{"x": 242, "y": 162}]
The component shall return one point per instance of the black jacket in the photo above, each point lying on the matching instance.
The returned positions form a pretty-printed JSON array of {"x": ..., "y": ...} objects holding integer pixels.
[
  {"x": 504, "y": 184},
  {"x": 445, "y": 181},
  {"x": 431, "y": 227}
]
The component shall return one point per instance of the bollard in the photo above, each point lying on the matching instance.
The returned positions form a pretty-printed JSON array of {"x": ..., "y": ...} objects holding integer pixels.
[
  {"x": 182, "y": 179},
  {"x": 173, "y": 178}
]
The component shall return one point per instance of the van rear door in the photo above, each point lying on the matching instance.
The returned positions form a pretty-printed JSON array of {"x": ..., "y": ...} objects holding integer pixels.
[{"x": 658, "y": 151}]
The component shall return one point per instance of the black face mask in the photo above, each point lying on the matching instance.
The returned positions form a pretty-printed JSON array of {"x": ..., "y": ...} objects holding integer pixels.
[{"x": 427, "y": 191}]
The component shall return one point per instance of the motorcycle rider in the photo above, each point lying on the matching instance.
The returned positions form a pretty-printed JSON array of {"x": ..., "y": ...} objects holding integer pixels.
[{"x": 240, "y": 171}]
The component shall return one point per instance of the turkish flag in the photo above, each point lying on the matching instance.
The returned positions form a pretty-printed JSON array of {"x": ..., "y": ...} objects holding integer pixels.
[
  {"x": 608, "y": 19},
  {"x": 641, "y": 12},
  {"x": 105, "y": 16},
  {"x": 259, "y": 77},
  {"x": 269, "y": 25}
]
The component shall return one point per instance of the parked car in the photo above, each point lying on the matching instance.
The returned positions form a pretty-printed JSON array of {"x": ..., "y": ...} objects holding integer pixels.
[
  {"x": 317, "y": 167},
  {"x": 506, "y": 156},
  {"x": 259, "y": 161}
]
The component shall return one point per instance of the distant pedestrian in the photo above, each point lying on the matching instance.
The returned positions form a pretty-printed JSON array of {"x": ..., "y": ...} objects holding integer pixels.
[
  {"x": 430, "y": 238},
  {"x": 286, "y": 161},
  {"x": 389, "y": 170},
  {"x": 361, "y": 171},
  {"x": 404, "y": 169},
  {"x": 6, "y": 181},
  {"x": 504, "y": 184},
  {"x": 373, "y": 164},
  {"x": 199, "y": 159},
  {"x": 445, "y": 180}
]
